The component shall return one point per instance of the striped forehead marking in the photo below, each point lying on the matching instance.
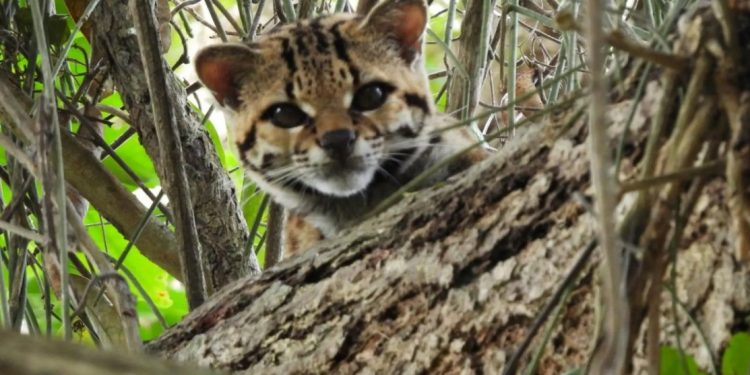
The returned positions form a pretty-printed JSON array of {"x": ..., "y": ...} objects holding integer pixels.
[{"x": 311, "y": 47}]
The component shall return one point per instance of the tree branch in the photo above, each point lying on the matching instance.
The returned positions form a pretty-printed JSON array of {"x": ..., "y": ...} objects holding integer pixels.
[
  {"x": 463, "y": 94},
  {"x": 222, "y": 229},
  {"x": 436, "y": 283},
  {"x": 610, "y": 356},
  {"x": 108, "y": 195},
  {"x": 56, "y": 357},
  {"x": 172, "y": 160}
]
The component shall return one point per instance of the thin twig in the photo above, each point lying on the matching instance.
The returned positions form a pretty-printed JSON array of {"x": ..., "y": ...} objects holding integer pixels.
[
  {"x": 449, "y": 22},
  {"x": 117, "y": 290},
  {"x": 715, "y": 167},
  {"x": 510, "y": 86},
  {"x": 684, "y": 208},
  {"x": 16, "y": 152},
  {"x": 609, "y": 356},
  {"x": 4, "y": 306},
  {"x": 288, "y": 9},
  {"x": 228, "y": 16},
  {"x": 51, "y": 161},
  {"x": 17, "y": 121},
  {"x": 274, "y": 249},
  {"x": 183, "y": 5},
  {"x": 256, "y": 20},
  {"x": 618, "y": 40},
  {"x": 124, "y": 116},
  {"x": 251, "y": 248},
  {"x": 28, "y": 234},
  {"x": 108, "y": 151},
  {"x": 217, "y": 22},
  {"x": 138, "y": 230},
  {"x": 90, "y": 7},
  {"x": 97, "y": 279},
  {"x": 149, "y": 301}
]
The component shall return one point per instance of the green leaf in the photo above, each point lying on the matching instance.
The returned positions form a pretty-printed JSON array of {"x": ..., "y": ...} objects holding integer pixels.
[
  {"x": 673, "y": 362},
  {"x": 216, "y": 140},
  {"x": 448, "y": 53},
  {"x": 134, "y": 155},
  {"x": 736, "y": 360},
  {"x": 164, "y": 290},
  {"x": 55, "y": 26}
]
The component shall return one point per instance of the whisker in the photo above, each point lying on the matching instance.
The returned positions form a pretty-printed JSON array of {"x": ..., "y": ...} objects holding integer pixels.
[
  {"x": 423, "y": 145},
  {"x": 389, "y": 175}
]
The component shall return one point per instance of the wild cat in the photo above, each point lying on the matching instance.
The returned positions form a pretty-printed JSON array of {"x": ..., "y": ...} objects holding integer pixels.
[{"x": 334, "y": 114}]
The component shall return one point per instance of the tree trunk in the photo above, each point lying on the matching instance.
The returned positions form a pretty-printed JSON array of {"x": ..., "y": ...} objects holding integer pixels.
[
  {"x": 453, "y": 277},
  {"x": 221, "y": 227}
]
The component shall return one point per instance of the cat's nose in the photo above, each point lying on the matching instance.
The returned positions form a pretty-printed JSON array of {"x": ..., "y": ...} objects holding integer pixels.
[{"x": 338, "y": 144}]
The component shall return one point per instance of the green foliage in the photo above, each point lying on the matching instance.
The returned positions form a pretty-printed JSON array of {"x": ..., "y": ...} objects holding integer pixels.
[
  {"x": 134, "y": 156},
  {"x": 674, "y": 362},
  {"x": 56, "y": 26},
  {"x": 736, "y": 359},
  {"x": 166, "y": 292}
]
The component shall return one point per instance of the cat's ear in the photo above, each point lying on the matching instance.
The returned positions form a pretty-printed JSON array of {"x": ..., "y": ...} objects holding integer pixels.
[
  {"x": 403, "y": 21},
  {"x": 220, "y": 68}
]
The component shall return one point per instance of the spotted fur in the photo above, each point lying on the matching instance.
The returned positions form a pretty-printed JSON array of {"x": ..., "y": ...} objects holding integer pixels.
[{"x": 318, "y": 66}]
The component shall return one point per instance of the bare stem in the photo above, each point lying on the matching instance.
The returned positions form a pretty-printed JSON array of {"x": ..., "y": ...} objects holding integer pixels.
[
  {"x": 117, "y": 288},
  {"x": 609, "y": 358},
  {"x": 274, "y": 249},
  {"x": 216, "y": 20},
  {"x": 172, "y": 158},
  {"x": 51, "y": 162}
]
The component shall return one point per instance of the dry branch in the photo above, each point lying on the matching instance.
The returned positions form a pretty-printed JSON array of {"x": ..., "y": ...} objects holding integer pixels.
[
  {"x": 221, "y": 228},
  {"x": 463, "y": 94},
  {"x": 55, "y": 357},
  {"x": 108, "y": 195},
  {"x": 610, "y": 356},
  {"x": 172, "y": 160}
]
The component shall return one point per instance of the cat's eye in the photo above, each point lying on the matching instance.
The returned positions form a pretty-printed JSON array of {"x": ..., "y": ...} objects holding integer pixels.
[
  {"x": 371, "y": 96},
  {"x": 285, "y": 115}
]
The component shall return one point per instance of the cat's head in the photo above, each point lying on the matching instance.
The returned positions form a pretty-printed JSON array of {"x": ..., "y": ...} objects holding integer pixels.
[{"x": 326, "y": 104}]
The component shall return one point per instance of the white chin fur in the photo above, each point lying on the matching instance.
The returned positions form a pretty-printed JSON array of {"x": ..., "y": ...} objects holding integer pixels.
[
  {"x": 344, "y": 184},
  {"x": 340, "y": 181}
]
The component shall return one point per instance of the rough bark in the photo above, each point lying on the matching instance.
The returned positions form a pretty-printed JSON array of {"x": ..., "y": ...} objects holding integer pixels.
[
  {"x": 447, "y": 282},
  {"x": 449, "y": 278},
  {"x": 452, "y": 278},
  {"x": 222, "y": 229}
]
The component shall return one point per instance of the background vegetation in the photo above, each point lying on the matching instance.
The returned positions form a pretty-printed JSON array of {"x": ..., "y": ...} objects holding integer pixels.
[{"x": 475, "y": 51}]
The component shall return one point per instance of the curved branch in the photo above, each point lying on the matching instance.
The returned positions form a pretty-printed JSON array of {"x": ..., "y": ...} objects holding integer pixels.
[
  {"x": 65, "y": 358},
  {"x": 221, "y": 227},
  {"x": 107, "y": 194}
]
